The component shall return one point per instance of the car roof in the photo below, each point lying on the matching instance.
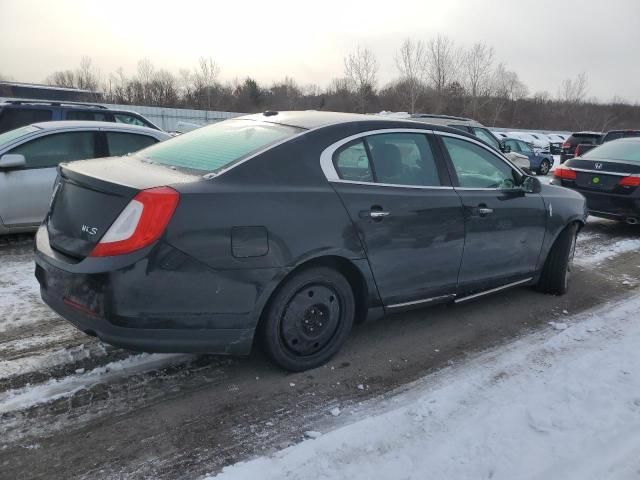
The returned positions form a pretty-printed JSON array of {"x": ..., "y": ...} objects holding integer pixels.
[
  {"x": 587, "y": 133},
  {"x": 310, "y": 119},
  {"x": 74, "y": 124}
]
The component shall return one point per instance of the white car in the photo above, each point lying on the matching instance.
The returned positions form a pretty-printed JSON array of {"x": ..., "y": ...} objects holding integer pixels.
[
  {"x": 29, "y": 157},
  {"x": 538, "y": 141}
]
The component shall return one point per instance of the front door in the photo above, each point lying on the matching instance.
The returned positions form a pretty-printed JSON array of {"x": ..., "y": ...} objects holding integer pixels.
[
  {"x": 25, "y": 193},
  {"x": 408, "y": 216},
  {"x": 504, "y": 227}
]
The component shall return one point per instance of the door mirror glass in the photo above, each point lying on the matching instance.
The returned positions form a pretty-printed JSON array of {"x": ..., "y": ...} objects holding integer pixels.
[
  {"x": 505, "y": 148},
  {"x": 12, "y": 160}
]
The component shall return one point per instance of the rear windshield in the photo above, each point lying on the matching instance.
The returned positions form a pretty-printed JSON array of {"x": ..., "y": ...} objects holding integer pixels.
[
  {"x": 590, "y": 139},
  {"x": 219, "y": 145},
  {"x": 615, "y": 150},
  {"x": 11, "y": 135}
]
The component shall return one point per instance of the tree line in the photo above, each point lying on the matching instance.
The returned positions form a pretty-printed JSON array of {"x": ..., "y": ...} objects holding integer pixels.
[{"x": 434, "y": 76}]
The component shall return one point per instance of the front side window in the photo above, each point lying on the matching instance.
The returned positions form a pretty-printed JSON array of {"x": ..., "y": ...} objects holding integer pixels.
[
  {"x": 403, "y": 159},
  {"x": 121, "y": 143},
  {"x": 11, "y": 118},
  {"x": 219, "y": 145},
  {"x": 352, "y": 162},
  {"x": 49, "y": 151},
  {"x": 513, "y": 144},
  {"x": 525, "y": 148},
  {"x": 477, "y": 167},
  {"x": 482, "y": 134}
]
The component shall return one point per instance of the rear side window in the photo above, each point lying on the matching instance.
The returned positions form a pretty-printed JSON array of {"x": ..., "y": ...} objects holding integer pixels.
[
  {"x": 121, "y": 143},
  {"x": 403, "y": 159},
  {"x": 352, "y": 163},
  {"x": 83, "y": 115},
  {"x": 11, "y": 118},
  {"x": 49, "y": 151},
  {"x": 589, "y": 139},
  {"x": 219, "y": 145},
  {"x": 130, "y": 119}
]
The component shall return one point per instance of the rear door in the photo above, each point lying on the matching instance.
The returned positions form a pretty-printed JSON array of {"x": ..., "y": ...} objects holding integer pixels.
[
  {"x": 408, "y": 216},
  {"x": 28, "y": 190},
  {"x": 504, "y": 230}
]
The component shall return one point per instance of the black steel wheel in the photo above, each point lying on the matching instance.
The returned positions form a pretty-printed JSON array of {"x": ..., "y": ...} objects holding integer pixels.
[{"x": 308, "y": 319}]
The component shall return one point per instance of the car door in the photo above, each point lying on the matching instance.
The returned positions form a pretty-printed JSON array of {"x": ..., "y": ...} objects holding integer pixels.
[
  {"x": 504, "y": 225},
  {"x": 409, "y": 218},
  {"x": 28, "y": 190}
]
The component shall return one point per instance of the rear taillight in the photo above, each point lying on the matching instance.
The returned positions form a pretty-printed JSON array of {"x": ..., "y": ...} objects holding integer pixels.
[
  {"x": 564, "y": 173},
  {"x": 630, "y": 181},
  {"x": 140, "y": 224}
]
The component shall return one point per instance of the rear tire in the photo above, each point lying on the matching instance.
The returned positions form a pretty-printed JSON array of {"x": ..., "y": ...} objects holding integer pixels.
[
  {"x": 557, "y": 268},
  {"x": 544, "y": 168},
  {"x": 308, "y": 319}
]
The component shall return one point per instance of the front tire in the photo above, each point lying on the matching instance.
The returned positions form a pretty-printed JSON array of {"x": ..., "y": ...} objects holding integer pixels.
[
  {"x": 557, "y": 268},
  {"x": 308, "y": 319}
]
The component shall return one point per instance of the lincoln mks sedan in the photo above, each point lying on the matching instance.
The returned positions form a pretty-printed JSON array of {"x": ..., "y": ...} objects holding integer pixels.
[{"x": 285, "y": 228}]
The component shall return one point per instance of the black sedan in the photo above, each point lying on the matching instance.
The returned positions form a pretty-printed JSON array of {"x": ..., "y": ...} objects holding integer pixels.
[
  {"x": 290, "y": 226},
  {"x": 609, "y": 177}
]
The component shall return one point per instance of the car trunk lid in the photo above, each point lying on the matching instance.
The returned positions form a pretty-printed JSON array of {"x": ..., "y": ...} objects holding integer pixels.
[
  {"x": 602, "y": 175},
  {"x": 90, "y": 195}
]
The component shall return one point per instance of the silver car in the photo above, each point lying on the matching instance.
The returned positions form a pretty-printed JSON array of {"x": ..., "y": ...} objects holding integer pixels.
[{"x": 29, "y": 157}]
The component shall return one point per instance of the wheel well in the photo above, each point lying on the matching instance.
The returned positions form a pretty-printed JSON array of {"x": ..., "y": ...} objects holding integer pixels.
[{"x": 340, "y": 264}]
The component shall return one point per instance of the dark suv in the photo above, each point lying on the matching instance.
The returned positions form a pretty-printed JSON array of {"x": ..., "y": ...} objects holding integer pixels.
[
  {"x": 18, "y": 113},
  {"x": 577, "y": 138},
  {"x": 616, "y": 134}
]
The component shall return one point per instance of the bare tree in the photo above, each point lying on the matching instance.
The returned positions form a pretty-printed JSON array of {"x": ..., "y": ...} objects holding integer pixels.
[
  {"x": 87, "y": 76},
  {"x": 573, "y": 91},
  {"x": 63, "y": 78},
  {"x": 476, "y": 71},
  {"x": 411, "y": 61},
  {"x": 205, "y": 80},
  {"x": 506, "y": 88},
  {"x": 361, "y": 69},
  {"x": 443, "y": 61}
]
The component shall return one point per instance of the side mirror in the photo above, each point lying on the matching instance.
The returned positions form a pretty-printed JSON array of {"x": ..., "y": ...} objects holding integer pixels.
[
  {"x": 12, "y": 160},
  {"x": 531, "y": 184},
  {"x": 505, "y": 148}
]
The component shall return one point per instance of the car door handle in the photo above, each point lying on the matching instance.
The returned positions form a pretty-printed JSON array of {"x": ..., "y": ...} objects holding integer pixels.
[
  {"x": 484, "y": 211},
  {"x": 378, "y": 214}
]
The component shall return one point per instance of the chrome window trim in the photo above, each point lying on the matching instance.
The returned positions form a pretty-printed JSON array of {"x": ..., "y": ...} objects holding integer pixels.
[
  {"x": 329, "y": 169},
  {"x": 601, "y": 172}
]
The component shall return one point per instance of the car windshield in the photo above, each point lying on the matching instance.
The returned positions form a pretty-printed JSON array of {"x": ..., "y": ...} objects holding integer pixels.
[
  {"x": 615, "y": 150},
  {"x": 11, "y": 135},
  {"x": 217, "y": 146}
]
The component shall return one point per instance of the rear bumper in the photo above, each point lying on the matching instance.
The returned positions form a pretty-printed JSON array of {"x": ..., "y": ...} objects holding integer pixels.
[
  {"x": 156, "y": 300},
  {"x": 607, "y": 205}
]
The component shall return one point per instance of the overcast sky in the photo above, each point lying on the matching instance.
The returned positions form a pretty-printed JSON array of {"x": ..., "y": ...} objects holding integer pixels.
[{"x": 544, "y": 41}]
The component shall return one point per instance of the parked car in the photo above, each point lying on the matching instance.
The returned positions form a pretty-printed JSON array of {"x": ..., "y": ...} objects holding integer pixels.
[
  {"x": 539, "y": 162},
  {"x": 29, "y": 157},
  {"x": 575, "y": 139},
  {"x": 555, "y": 143},
  {"x": 536, "y": 140},
  {"x": 609, "y": 178},
  {"x": 289, "y": 226},
  {"x": 616, "y": 134},
  {"x": 18, "y": 113},
  {"x": 465, "y": 124}
]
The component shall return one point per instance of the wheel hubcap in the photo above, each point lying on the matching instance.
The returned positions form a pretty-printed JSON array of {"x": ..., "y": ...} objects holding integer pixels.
[
  {"x": 544, "y": 168},
  {"x": 310, "y": 319}
]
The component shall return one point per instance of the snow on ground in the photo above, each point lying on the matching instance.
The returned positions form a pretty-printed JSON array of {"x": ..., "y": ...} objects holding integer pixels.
[
  {"x": 556, "y": 404},
  {"x": 20, "y": 302},
  {"x": 22, "y": 398}
]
